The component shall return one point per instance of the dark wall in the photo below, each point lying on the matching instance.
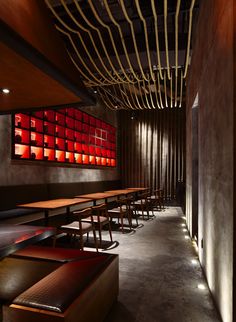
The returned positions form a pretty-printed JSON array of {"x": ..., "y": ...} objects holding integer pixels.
[
  {"x": 22, "y": 172},
  {"x": 211, "y": 78},
  {"x": 153, "y": 149}
]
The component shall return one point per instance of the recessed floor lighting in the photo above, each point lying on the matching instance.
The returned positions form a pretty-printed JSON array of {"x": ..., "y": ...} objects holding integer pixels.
[
  {"x": 5, "y": 90},
  {"x": 201, "y": 286}
]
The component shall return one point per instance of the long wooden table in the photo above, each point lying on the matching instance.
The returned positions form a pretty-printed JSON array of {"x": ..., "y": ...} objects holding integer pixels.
[
  {"x": 48, "y": 205},
  {"x": 98, "y": 196},
  {"x": 120, "y": 192}
]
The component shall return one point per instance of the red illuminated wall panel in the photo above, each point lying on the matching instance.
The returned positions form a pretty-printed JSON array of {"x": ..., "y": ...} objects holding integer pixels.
[{"x": 65, "y": 136}]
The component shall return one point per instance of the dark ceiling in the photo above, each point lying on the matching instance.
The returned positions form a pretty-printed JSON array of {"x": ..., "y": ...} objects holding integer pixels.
[{"x": 115, "y": 45}]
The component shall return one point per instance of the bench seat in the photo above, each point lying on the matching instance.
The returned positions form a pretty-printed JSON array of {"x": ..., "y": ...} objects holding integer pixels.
[
  {"x": 82, "y": 290},
  {"x": 55, "y": 254}
]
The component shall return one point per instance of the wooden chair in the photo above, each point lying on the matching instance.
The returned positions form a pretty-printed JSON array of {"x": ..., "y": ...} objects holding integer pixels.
[
  {"x": 100, "y": 218},
  {"x": 121, "y": 212},
  {"x": 78, "y": 227},
  {"x": 154, "y": 200},
  {"x": 142, "y": 204}
]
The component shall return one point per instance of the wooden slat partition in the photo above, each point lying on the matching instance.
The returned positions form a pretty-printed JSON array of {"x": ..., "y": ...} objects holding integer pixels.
[{"x": 152, "y": 151}]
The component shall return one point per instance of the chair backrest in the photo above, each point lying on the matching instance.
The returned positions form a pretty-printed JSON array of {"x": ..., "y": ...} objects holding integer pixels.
[
  {"x": 100, "y": 210},
  {"x": 123, "y": 202},
  {"x": 81, "y": 214}
]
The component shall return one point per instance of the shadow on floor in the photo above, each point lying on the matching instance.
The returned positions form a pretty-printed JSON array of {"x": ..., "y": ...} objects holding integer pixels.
[{"x": 119, "y": 313}]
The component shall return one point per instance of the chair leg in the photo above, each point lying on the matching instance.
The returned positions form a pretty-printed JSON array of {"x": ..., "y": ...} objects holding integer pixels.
[
  {"x": 130, "y": 220},
  {"x": 122, "y": 224},
  {"x": 95, "y": 239},
  {"x": 100, "y": 234},
  {"x": 109, "y": 226},
  {"x": 81, "y": 242}
]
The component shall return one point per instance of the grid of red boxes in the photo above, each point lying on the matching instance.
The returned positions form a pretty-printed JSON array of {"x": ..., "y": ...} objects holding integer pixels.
[{"x": 66, "y": 135}]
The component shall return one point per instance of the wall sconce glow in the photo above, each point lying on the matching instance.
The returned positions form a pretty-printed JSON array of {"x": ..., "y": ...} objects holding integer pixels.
[
  {"x": 194, "y": 261},
  {"x": 5, "y": 90},
  {"x": 201, "y": 286}
]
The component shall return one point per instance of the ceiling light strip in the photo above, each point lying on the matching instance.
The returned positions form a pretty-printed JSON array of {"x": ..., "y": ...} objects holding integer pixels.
[
  {"x": 159, "y": 90},
  {"x": 145, "y": 94},
  {"x": 189, "y": 38},
  {"x": 125, "y": 98},
  {"x": 136, "y": 97},
  {"x": 101, "y": 38},
  {"x": 181, "y": 89},
  {"x": 133, "y": 107},
  {"x": 146, "y": 39},
  {"x": 75, "y": 32},
  {"x": 176, "y": 49},
  {"x": 166, "y": 101},
  {"x": 166, "y": 39},
  {"x": 155, "y": 90},
  {"x": 81, "y": 59},
  {"x": 122, "y": 40},
  {"x": 134, "y": 38},
  {"x": 157, "y": 39},
  {"x": 141, "y": 95},
  {"x": 94, "y": 45},
  {"x": 150, "y": 93}
]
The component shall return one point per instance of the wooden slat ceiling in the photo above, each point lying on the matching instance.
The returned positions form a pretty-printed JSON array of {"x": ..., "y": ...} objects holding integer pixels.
[
  {"x": 33, "y": 60},
  {"x": 30, "y": 87}
]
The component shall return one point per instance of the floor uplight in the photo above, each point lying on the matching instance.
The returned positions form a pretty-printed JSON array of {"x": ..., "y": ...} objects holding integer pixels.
[{"x": 201, "y": 286}]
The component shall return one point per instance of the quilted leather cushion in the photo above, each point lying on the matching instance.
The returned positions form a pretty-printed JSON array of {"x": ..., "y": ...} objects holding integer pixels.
[
  {"x": 59, "y": 289},
  {"x": 17, "y": 212},
  {"x": 18, "y": 274}
]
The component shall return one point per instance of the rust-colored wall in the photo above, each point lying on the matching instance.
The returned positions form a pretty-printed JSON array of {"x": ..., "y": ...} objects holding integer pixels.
[
  {"x": 211, "y": 77},
  {"x": 30, "y": 20}
]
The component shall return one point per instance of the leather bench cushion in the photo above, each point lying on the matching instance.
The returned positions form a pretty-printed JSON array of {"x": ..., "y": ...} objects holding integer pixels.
[
  {"x": 18, "y": 274},
  {"x": 17, "y": 212},
  {"x": 59, "y": 289},
  {"x": 55, "y": 254}
]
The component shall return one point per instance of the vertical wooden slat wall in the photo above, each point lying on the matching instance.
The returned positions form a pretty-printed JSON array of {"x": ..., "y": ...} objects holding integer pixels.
[{"x": 152, "y": 149}]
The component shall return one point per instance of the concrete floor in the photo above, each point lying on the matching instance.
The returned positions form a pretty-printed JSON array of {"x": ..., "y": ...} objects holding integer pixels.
[{"x": 158, "y": 281}]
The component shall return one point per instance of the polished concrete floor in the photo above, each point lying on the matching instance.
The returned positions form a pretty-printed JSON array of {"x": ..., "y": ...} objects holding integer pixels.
[{"x": 158, "y": 281}]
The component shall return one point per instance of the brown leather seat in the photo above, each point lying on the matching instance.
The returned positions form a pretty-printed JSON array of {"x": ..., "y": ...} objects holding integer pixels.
[
  {"x": 18, "y": 274},
  {"x": 59, "y": 289}
]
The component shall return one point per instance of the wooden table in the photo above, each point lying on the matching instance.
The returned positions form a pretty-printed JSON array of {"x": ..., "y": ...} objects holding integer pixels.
[
  {"x": 54, "y": 204},
  {"x": 97, "y": 196},
  {"x": 13, "y": 238},
  {"x": 120, "y": 192}
]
